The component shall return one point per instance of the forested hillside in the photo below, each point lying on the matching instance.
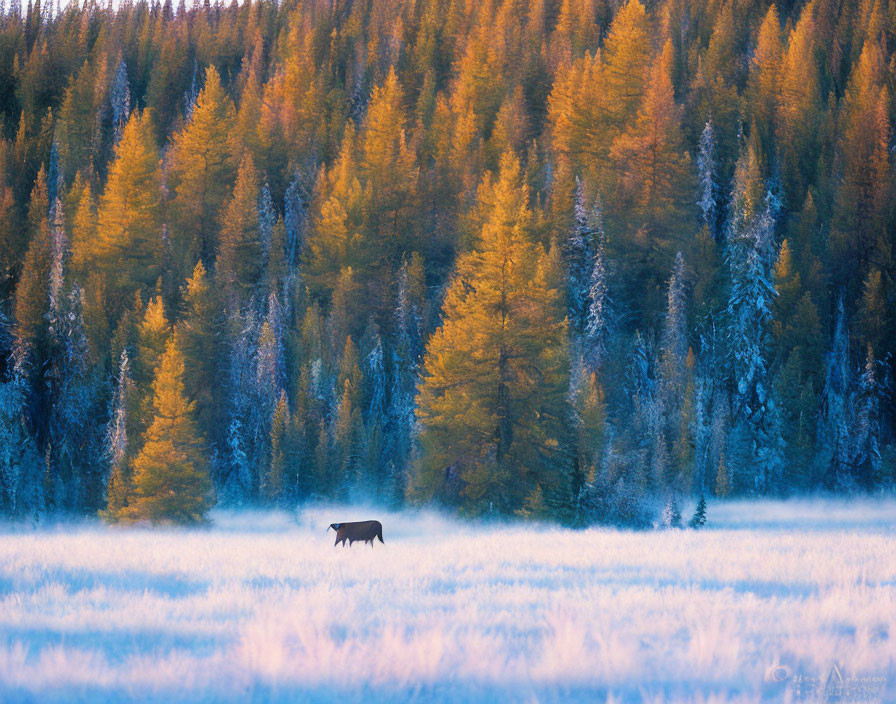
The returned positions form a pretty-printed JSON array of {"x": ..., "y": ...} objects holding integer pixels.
[{"x": 563, "y": 259}]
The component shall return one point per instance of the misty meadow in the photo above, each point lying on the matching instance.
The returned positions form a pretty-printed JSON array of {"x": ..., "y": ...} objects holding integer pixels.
[{"x": 262, "y": 608}]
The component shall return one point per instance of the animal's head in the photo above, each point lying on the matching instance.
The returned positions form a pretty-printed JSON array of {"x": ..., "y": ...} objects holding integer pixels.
[{"x": 334, "y": 526}]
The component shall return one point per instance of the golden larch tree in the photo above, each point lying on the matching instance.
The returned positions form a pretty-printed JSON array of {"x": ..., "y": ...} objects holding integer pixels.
[
  {"x": 626, "y": 63},
  {"x": 859, "y": 233},
  {"x": 128, "y": 247},
  {"x": 388, "y": 170},
  {"x": 496, "y": 372},
  {"x": 337, "y": 241},
  {"x": 171, "y": 482},
  {"x": 83, "y": 227},
  {"x": 799, "y": 109},
  {"x": 241, "y": 256},
  {"x": 203, "y": 162},
  {"x": 762, "y": 84},
  {"x": 650, "y": 157}
]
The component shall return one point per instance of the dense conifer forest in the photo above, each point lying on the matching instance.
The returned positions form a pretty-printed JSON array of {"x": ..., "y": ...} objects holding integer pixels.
[{"x": 566, "y": 259}]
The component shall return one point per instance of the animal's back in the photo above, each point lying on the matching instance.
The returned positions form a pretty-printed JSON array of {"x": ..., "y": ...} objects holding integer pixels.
[{"x": 358, "y": 530}]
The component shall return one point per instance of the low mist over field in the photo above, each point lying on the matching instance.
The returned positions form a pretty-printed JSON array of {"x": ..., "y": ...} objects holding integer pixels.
[{"x": 262, "y": 607}]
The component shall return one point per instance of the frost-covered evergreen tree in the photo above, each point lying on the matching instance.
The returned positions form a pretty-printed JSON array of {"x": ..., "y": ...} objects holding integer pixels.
[
  {"x": 699, "y": 518},
  {"x": 267, "y": 218},
  {"x": 54, "y": 175},
  {"x": 373, "y": 369},
  {"x": 73, "y": 479},
  {"x": 270, "y": 369},
  {"x": 719, "y": 468},
  {"x": 650, "y": 456},
  {"x": 597, "y": 324},
  {"x": 671, "y": 513},
  {"x": 117, "y": 430},
  {"x": 659, "y": 469},
  {"x": 237, "y": 474},
  {"x": 751, "y": 254},
  {"x": 266, "y": 387},
  {"x": 866, "y": 426},
  {"x": 120, "y": 99},
  {"x": 238, "y": 483},
  {"x": 21, "y": 493},
  {"x": 835, "y": 450},
  {"x": 58, "y": 261},
  {"x": 192, "y": 94},
  {"x": 710, "y": 412},
  {"x": 401, "y": 420},
  {"x": 674, "y": 351},
  {"x": 409, "y": 316},
  {"x": 676, "y": 387},
  {"x": 118, "y": 485},
  {"x": 577, "y": 252},
  {"x": 706, "y": 174},
  {"x": 702, "y": 404},
  {"x": 74, "y": 444},
  {"x": 296, "y": 206}
]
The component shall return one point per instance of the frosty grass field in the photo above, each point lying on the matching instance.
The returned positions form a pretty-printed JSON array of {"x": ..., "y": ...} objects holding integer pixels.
[{"x": 262, "y": 607}]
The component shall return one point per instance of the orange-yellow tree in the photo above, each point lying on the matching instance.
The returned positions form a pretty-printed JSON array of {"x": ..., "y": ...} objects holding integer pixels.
[
  {"x": 765, "y": 74},
  {"x": 799, "y": 109},
  {"x": 241, "y": 256},
  {"x": 863, "y": 203},
  {"x": 492, "y": 397},
  {"x": 171, "y": 482},
  {"x": 650, "y": 156},
  {"x": 128, "y": 246},
  {"x": 653, "y": 190},
  {"x": 366, "y": 216},
  {"x": 597, "y": 97},
  {"x": 204, "y": 160}
]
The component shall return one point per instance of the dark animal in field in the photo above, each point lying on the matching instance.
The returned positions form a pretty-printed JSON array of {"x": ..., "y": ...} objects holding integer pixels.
[{"x": 359, "y": 530}]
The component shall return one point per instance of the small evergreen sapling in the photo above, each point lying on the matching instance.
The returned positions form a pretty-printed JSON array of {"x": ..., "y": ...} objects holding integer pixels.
[
  {"x": 672, "y": 514},
  {"x": 699, "y": 519}
]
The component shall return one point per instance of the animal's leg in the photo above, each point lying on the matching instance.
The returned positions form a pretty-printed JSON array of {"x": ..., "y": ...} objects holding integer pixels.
[{"x": 337, "y": 541}]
